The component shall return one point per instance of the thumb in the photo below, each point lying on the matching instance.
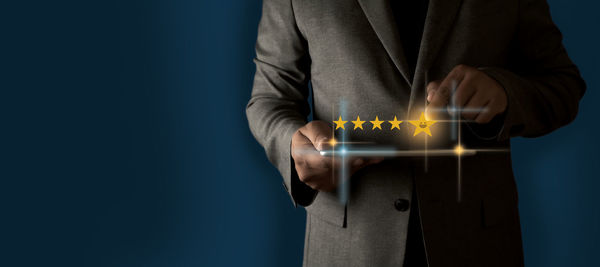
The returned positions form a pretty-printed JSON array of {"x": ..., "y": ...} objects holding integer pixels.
[
  {"x": 323, "y": 143},
  {"x": 319, "y": 133}
]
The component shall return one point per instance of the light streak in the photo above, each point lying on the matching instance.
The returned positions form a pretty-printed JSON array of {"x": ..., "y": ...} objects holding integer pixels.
[
  {"x": 457, "y": 109},
  {"x": 344, "y": 176},
  {"x": 396, "y": 153},
  {"x": 390, "y": 152}
]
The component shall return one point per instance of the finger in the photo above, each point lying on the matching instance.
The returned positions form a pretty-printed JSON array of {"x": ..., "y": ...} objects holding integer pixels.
[
  {"x": 319, "y": 180},
  {"x": 477, "y": 101},
  {"x": 317, "y": 169},
  {"x": 314, "y": 175},
  {"x": 463, "y": 94},
  {"x": 488, "y": 113},
  {"x": 452, "y": 80},
  {"x": 318, "y": 132},
  {"x": 316, "y": 161},
  {"x": 432, "y": 88},
  {"x": 439, "y": 99},
  {"x": 324, "y": 144},
  {"x": 306, "y": 156},
  {"x": 301, "y": 145}
]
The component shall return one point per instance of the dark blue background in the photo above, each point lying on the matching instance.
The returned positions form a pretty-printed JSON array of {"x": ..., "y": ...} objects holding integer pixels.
[{"x": 125, "y": 143}]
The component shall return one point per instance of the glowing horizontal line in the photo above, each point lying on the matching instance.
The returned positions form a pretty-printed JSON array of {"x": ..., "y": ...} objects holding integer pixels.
[
  {"x": 397, "y": 153},
  {"x": 492, "y": 150},
  {"x": 462, "y": 110},
  {"x": 352, "y": 142},
  {"x": 462, "y": 120}
]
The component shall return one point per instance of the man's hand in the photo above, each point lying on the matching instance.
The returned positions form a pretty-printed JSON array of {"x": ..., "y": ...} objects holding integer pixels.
[
  {"x": 474, "y": 90},
  {"x": 319, "y": 172}
]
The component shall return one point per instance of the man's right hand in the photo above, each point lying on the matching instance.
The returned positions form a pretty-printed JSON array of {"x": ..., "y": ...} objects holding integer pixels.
[{"x": 320, "y": 172}]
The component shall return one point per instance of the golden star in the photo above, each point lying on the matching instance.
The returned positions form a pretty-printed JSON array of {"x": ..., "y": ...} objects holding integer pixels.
[
  {"x": 422, "y": 125},
  {"x": 376, "y": 123},
  {"x": 358, "y": 123},
  {"x": 340, "y": 123},
  {"x": 395, "y": 123}
]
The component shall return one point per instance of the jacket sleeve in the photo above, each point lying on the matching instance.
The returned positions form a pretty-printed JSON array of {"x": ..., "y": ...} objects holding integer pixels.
[
  {"x": 543, "y": 87},
  {"x": 279, "y": 102}
]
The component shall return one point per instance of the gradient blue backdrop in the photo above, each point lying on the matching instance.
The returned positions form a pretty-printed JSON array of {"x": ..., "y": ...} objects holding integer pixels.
[{"x": 125, "y": 143}]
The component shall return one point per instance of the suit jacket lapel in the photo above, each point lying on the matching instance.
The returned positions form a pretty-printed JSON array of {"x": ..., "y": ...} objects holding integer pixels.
[
  {"x": 440, "y": 18},
  {"x": 381, "y": 17}
]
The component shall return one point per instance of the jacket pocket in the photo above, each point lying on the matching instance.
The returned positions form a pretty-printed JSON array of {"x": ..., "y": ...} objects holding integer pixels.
[{"x": 327, "y": 207}]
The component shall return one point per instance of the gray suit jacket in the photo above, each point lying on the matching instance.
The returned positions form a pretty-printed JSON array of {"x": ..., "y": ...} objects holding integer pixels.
[{"x": 350, "y": 50}]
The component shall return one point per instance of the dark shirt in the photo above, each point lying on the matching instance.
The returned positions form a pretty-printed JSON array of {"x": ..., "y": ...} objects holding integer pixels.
[
  {"x": 415, "y": 255},
  {"x": 410, "y": 17}
]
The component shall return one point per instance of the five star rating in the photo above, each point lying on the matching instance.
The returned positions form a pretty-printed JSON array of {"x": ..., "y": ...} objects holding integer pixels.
[{"x": 421, "y": 125}]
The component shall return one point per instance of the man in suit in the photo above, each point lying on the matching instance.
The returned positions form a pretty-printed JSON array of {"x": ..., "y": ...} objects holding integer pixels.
[{"x": 397, "y": 58}]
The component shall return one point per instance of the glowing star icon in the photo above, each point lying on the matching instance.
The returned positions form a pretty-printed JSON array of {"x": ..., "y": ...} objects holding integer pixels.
[
  {"x": 358, "y": 123},
  {"x": 376, "y": 123},
  {"x": 340, "y": 123},
  {"x": 395, "y": 123},
  {"x": 422, "y": 125}
]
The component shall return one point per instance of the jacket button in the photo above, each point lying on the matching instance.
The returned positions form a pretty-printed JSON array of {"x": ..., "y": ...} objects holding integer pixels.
[{"x": 401, "y": 204}]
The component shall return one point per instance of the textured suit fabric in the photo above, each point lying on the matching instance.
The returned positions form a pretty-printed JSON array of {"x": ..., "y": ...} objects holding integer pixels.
[{"x": 350, "y": 50}]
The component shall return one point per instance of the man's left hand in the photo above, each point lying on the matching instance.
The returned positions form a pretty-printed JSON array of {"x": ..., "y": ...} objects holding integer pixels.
[{"x": 479, "y": 97}]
